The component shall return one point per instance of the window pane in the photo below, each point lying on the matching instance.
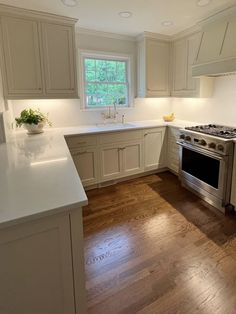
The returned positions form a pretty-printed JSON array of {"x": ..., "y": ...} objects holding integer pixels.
[
  {"x": 101, "y": 71},
  {"x": 121, "y": 71},
  {"x": 105, "y": 82},
  {"x": 90, "y": 64},
  {"x": 90, "y": 76}
]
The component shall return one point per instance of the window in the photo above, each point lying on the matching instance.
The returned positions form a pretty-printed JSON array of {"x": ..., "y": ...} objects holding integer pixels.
[{"x": 105, "y": 81}]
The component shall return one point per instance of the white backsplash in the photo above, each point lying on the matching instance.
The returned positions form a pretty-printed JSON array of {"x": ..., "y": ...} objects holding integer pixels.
[
  {"x": 221, "y": 108},
  {"x": 65, "y": 113}
]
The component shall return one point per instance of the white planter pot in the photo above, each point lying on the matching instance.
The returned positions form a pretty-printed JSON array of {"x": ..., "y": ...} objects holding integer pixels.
[{"x": 34, "y": 128}]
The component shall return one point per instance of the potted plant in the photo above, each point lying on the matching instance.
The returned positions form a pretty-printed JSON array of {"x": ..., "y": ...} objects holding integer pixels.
[{"x": 32, "y": 120}]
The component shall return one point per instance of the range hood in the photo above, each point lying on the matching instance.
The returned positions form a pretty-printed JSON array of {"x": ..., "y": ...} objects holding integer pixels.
[
  {"x": 214, "y": 69},
  {"x": 217, "y": 48}
]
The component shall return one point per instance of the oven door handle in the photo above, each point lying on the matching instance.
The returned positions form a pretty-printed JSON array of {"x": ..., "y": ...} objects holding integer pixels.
[{"x": 201, "y": 151}]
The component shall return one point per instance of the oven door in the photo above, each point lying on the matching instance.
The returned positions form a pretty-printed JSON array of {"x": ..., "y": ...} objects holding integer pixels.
[{"x": 203, "y": 171}]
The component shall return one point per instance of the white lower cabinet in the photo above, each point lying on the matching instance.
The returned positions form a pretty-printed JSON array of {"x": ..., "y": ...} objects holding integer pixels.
[
  {"x": 173, "y": 149},
  {"x": 154, "y": 149},
  {"x": 114, "y": 155},
  {"x": 121, "y": 159},
  {"x": 132, "y": 158},
  {"x": 42, "y": 267},
  {"x": 110, "y": 162},
  {"x": 233, "y": 189},
  {"x": 85, "y": 160}
]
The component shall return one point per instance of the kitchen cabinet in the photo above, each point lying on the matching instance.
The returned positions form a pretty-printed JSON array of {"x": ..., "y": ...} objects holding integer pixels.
[
  {"x": 41, "y": 265},
  {"x": 22, "y": 62},
  {"x": 153, "y": 68},
  {"x": 184, "y": 54},
  {"x": 59, "y": 59},
  {"x": 233, "y": 188},
  {"x": 120, "y": 160},
  {"x": 173, "y": 149},
  {"x": 37, "y": 54},
  {"x": 114, "y": 155},
  {"x": 85, "y": 160},
  {"x": 132, "y": 158},
  {"x": 111, "y": 162},
  {"x": 154, "y": 148}
]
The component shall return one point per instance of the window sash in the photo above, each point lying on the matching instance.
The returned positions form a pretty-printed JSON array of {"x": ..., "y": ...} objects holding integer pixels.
[{"x": 125, "y": 83}]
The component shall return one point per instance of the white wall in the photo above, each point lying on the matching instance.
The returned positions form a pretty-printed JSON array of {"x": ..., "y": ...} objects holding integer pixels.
[{"x": 221, "y": 108}]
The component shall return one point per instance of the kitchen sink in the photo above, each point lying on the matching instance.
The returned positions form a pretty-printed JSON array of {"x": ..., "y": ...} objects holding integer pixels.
[{"x": 115, "y": 125}]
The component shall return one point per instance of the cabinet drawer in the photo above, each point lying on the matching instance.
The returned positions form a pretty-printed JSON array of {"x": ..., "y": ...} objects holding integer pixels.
[
  {"x": 120, "y": 137},
  {"x": 81, "y": 141}
]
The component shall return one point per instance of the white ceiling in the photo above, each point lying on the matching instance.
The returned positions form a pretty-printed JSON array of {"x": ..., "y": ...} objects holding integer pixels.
[{"x": 102, "y": 15}]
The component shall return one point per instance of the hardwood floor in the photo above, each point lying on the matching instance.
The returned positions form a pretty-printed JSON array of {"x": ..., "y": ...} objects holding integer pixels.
[{"x": 153, "y": 247}]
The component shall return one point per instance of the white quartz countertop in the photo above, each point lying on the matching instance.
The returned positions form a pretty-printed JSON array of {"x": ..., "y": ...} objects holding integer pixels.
[
  {"x": 37, "y": 173},
  {"x": 104, "y": 128},
  {"x": 37, "y": 178}
]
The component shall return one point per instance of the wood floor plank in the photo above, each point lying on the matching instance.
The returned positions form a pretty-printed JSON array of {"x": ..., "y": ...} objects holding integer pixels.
[{"x": 151, "y": 246}]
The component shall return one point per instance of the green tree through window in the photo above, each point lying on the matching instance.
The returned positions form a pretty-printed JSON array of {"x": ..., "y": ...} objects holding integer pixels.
[{"x": 106, "y": 82}]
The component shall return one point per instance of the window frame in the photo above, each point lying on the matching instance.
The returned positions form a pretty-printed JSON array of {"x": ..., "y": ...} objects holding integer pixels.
[{"x": 83, "y": 54}]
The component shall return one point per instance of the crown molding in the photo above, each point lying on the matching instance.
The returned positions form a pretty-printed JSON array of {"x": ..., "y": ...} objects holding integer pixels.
[
  {"x": 189, "y": 31},
  {"x": 91, "y": 32},
  {"x": 153, "y": 36},
  {"x": 12, "y": 11}
]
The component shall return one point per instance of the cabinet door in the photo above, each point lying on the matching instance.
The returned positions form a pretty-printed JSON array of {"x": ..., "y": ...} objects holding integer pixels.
[
  {"x": 132, "y": 158},
  {"x": 111, "y": 162},
  {"x": 86, "y": 164},
  {"x": 36, "y": 267},
  {"x": 211, "y": 42},
  {"x": 180, "y": 65},
  {"x": 157, "y": 68},
  {"x": 21, "y": 57},
  {"x": 154, "y": 149},
  {"x": 59, "y": 59},
  {"x": 173, "y": 149}
]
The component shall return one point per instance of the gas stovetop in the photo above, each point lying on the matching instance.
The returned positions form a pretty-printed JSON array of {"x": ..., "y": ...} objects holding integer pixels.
[{"x": 215, "y": 130}]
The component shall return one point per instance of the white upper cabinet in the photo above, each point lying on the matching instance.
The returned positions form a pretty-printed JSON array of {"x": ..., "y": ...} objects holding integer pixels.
[
  {"x": 38, "y": 54},
  {"x": 184, "y": 55},
  {"x": 153, "y": 68},
  {"x": 22, "y": 56},
  {"x": 59, "y": 58}
]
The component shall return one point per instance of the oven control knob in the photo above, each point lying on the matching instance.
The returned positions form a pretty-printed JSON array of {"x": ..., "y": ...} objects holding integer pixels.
[
  {"x": 188, "y": 138},
  {"x": 182, "y": 137},
  {"x": 202, "y": 142},
  {"x": 220, "y": 147},
  {"x": 212, "y": 145}
]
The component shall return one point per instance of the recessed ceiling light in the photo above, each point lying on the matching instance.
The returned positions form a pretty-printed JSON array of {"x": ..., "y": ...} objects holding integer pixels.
[
  {"x": 167, "y": 23},
  {"x": 70, "y": 3},
  {"x": 125, "y": 14},
  {"x": 203, "y": 3}
]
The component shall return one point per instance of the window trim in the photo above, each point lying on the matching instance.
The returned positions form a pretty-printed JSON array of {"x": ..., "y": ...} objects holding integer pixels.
[{"x": 107, "y": 56}]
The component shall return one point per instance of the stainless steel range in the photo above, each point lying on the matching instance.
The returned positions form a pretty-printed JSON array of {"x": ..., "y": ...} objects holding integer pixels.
[{"x": 206, "y": 162}]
